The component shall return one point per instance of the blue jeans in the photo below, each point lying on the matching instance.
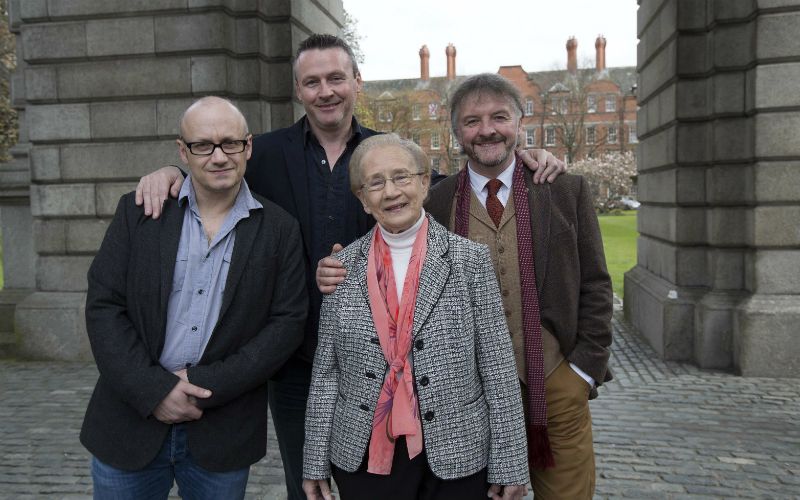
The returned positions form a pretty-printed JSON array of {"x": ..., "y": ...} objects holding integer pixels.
[
  {"x": 173, "y": 462},
  {"x": 288, "y": 395}
]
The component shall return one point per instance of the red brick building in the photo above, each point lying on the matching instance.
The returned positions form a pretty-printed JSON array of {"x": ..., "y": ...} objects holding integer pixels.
[{"x": 574, "y": 112}]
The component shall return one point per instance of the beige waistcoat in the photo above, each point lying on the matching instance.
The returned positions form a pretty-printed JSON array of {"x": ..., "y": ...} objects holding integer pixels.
[{"x": 502, "y": 243}]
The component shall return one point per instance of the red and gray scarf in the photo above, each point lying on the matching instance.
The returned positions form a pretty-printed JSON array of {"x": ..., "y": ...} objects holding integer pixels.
[{"x": 540, "y": 455}]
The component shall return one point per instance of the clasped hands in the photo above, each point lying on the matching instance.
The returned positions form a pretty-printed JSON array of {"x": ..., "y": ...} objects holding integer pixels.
[{"x": 180, "y": 405}]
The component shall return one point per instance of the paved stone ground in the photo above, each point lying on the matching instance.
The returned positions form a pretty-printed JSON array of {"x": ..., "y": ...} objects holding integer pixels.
[{"x": 662, "y": 430}]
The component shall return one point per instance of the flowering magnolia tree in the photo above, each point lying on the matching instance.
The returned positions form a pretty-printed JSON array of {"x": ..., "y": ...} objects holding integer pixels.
[{"x": 610, "y": 176}]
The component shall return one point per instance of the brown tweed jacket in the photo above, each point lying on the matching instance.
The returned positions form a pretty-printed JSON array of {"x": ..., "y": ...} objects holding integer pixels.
[{"x": 574, "y": 286}]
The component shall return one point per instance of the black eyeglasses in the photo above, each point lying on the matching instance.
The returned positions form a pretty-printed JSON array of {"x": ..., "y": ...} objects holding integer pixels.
[
  {"x": 378, "y": 183},
  {"x": 203, "y": 148}
]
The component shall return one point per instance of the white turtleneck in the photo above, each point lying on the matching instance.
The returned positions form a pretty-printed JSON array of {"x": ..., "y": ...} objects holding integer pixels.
[{"x": 400, "y": 245}]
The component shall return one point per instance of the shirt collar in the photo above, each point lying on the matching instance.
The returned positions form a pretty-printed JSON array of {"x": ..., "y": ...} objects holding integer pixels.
[
  {"x": 241, "y": 206},
  {"x": 355, "y": 127},
  {"x": 478, "y": 181}
]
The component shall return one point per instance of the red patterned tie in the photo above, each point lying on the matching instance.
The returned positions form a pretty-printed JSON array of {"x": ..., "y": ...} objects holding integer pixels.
[{"x": 493, "y": 205}]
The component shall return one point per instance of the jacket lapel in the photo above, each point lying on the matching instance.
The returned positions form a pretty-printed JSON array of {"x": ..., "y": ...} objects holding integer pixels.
[
  {"x": 298, "y": 178},
  {"x": 246, "y": 230},
  {"x": 435, "y": 271},
  {"x": 169, "y": 239},
  {"x": 361, "y": 265},
  {"x": 539, "y": 201}
]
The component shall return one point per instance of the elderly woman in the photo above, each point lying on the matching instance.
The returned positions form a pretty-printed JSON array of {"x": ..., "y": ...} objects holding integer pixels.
[{"x": 414, "y": 392}]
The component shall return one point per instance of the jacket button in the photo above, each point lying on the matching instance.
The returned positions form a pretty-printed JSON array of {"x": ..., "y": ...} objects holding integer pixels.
[
  {"x": 428, "y": 415},
  {"x": 370, "y": 375},
  {"x": 424, "y": 381},
  {"x": 419, "y": 344},
  {"x": 364, "y": 407},
  {"x": 375, "y": 340}
]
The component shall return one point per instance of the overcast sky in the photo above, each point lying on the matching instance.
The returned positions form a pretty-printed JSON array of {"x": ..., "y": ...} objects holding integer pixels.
[{"x": 489, "y": 34}]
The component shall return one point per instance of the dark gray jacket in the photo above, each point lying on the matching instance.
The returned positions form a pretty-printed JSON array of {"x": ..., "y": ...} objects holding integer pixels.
[{"x": 260, "y": 325}]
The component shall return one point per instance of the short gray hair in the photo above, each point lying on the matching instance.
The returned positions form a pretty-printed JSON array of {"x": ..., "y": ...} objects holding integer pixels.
[
  {"x": 414, "y": 152},
  {"x": 484, "y": 83}
]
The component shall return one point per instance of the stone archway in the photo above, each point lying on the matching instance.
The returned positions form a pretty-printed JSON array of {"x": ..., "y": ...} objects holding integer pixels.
[{"x": 718, "y": 274}]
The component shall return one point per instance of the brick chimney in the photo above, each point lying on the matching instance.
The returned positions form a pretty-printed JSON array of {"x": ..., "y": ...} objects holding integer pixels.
[
  {"x": 450, "y": 51},
  {"x": 424, "y": 63},
  {"x": 572, "y": 55},
  {"x": 600, "y": 53}
]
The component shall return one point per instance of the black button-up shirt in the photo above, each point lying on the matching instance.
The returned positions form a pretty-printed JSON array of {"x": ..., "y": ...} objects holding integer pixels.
[{"x": 333, "y": 209}]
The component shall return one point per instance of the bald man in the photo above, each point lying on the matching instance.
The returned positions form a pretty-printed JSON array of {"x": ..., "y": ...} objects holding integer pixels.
[{"x": 188, "y": 316}]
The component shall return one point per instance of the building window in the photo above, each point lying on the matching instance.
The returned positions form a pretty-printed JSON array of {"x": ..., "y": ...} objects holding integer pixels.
[
  {"x": 611, "y": 103},
  {"x": 434, "y": 140},
  {"x": 435, "y": 162},
  {"x": 384, "y": 115},
  {"x": 555, "y": 104},
  {"x": 415, "y": 137},
  {"x": 550, "y": 136},
  {"x": 433, "y": 109},
  {"x": 591, "y": 104},
  {"x": 415, "y": 111},
  {"x": 612, "y": 135},
  {"x": 530, "y": 137},
  {"x": 632, "y": 139},
  {"x": 455, "y": 165},
  {"x": 529, "y": 107},
  {"x": 591, "y": 135},
  {"x": 454, "y": 142}
]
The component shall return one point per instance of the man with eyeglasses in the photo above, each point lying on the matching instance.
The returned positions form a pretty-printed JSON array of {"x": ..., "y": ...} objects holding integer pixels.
[
  {"x": 303, "y": 169},
  {"x": 188, "y": 316}
]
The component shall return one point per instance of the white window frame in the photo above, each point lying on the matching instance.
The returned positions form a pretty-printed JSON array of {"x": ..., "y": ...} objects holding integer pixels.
[
  {"x": 632, "y": 137},
  {"x": 550, "y": 136},
  {"x": 611, "y": 104},
  {"x": 611, "y": 134},
  {"x": 435, "y": 140},
  {"x": 591, "y": 134},
  {"x": 530, "y": 137},
  {"x": 591, "y": 103}
]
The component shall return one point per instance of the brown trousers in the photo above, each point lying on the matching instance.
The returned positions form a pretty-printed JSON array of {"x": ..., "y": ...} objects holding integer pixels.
[{"x": 569, "y": 426}]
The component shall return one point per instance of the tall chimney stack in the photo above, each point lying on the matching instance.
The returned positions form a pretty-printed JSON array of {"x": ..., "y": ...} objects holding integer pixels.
[
  {"x": 450, "y": 51},
  {"x": 424, "y": 63},
  {"x": 572, "y": 55},
  {"x": 600, "y": 53}
]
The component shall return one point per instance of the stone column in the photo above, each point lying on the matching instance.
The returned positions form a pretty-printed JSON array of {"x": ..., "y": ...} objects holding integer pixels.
[
  {"x": 102, "y": 85},
  {"x": 718, "y": 274}
]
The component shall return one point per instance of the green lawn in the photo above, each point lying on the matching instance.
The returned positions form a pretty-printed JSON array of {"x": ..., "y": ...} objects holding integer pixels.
[{"x": 619, "y": 242}]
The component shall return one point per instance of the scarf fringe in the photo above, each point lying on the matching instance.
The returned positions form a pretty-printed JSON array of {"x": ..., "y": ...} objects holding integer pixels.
[{"x": 540, "y": 456}]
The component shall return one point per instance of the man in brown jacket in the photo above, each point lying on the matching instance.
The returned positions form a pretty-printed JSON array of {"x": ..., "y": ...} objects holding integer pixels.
[{"x": 548, "y": 255}]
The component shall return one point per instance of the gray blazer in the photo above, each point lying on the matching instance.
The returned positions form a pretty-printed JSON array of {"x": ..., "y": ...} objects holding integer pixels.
[{"x": 464, "y": 372}]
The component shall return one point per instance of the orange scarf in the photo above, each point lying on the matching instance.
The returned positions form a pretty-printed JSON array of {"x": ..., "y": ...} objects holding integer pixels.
[{"x": 397, "y": 413}]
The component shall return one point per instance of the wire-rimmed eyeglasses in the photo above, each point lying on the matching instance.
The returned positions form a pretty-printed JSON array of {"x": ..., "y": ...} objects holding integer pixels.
[{"x": 378, "y": 183}]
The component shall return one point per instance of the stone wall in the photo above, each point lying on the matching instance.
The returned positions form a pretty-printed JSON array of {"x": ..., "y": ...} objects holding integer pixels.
[
  {"x": 100, "y": 87},
  {"x": 718, "y": 274}
]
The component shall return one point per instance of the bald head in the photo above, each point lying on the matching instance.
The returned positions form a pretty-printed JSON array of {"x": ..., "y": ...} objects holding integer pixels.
[{"x": 211, "y": 110}]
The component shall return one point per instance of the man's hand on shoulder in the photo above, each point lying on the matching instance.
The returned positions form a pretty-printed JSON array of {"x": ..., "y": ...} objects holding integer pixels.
[
  {"x": 330, "y": 272},
  {"x": 153, "y": 189},
  {"x": 544, "y": 165}
]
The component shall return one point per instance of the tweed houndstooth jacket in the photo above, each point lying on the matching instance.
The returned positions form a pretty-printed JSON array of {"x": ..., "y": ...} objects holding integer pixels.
[{"x": 464, "y": 372}]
